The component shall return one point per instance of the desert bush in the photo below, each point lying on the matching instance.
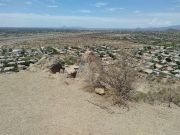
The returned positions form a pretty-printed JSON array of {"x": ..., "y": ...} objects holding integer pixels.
[{"x": 119, "y": 77}]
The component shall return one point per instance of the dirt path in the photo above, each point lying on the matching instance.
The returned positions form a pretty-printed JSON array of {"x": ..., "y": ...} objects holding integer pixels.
[{"x": 36, "y": 104}]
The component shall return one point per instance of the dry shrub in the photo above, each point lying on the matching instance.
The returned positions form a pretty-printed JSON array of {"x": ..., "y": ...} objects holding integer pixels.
[
  {"x": 165, "y": 94},
  {"x": 119, "y": 77}
]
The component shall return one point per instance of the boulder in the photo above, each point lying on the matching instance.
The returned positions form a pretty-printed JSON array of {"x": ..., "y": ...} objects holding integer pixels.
[
  {"x": 72, "y": 71},
  {"x": 53, "y": 63},
  {"x": 56, "y": 67},
  {"x": 90, "y": 67},
  {"x": 100, "y": 91}
]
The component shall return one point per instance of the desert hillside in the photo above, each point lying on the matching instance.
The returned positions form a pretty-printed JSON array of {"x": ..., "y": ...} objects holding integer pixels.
[{"x": 41, "y": 103}]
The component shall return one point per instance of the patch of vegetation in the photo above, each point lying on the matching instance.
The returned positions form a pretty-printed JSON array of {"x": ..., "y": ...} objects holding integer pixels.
[
  {"x": 119, "y": 78},
  {"x": 70, "y": 60},
  {"x": 166, "y": 95},
  {"x": 51, "y": 51}
]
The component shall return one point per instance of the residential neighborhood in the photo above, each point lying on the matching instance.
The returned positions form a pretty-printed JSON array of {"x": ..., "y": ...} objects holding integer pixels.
[{"x": 159, "y": 60}]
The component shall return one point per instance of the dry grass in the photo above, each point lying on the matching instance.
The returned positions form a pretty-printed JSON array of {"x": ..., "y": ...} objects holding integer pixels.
[{"x": 160, "y": 93}]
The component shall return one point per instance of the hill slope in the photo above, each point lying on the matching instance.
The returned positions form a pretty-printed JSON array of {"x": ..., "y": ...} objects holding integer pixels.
[{"x": 36, "y": 103}]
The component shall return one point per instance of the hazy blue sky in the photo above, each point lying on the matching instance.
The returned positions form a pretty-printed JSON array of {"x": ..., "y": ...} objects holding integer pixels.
[{"x": 89, "y": 13}]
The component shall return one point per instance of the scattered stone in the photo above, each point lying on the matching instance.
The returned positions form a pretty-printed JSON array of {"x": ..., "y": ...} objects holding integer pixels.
[{"x": 100, "y": 91}]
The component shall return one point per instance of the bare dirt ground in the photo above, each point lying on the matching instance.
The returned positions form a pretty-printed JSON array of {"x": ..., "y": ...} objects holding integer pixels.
[
  {"x": 39, "y": 104},
  {"x": 64, "y": 39}
]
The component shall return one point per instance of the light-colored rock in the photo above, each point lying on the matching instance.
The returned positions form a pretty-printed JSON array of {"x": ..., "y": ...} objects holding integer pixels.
[
  {"x": 46, "y": 62},
  {"x": 148, "y": 71},
  {"x": 100, "y": 91},
  {"x": 90, "y": 67},
  {"x": 71, "y": 72}
]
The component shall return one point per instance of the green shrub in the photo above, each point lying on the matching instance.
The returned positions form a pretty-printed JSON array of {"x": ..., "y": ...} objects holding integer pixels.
[
  {"x": 70, "y": 60},
  {"x": 51, "y": 50}
]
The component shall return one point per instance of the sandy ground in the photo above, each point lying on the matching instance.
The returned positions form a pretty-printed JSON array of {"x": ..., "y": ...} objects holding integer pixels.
[{"x": 39, "y": 104}]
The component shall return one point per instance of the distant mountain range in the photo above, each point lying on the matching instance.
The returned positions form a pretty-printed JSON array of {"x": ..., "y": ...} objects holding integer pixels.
[
  {"x": 168, "y": 28},
  {"x": 66, "y": 28}
]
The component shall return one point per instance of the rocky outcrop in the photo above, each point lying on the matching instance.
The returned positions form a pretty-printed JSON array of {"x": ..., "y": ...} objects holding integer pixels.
[
  {"x": 90, "y": 67},
  {"x": 47, "y": 62}
]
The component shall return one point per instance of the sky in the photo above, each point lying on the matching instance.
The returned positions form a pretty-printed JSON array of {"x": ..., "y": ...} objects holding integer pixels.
[{"x": 89, "y": 13}]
